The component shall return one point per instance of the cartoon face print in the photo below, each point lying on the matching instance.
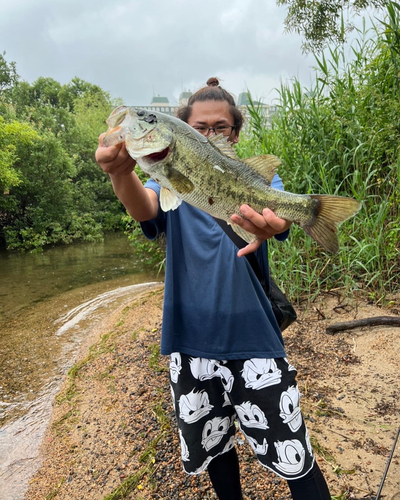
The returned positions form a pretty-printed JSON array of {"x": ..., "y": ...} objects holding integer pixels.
[
  {"x": 229, "y": 445},
  {"x": 226, "y": 378},
  {"x": 260, "y": 373},
  {"x": 259, "y": 449},
  {"x": 290, "y": 409},
  {"x": 308, "y": 443},
  {"x": 204, "y": 369},
  {"x": 251, "y": 416},
  {"x": 213, "y": 431},
  {"x": 184, "y": 448},
  {"x": 227, "y": 401},
  {"x": 194, "y": 406},
  {"x": 291, "y": 456},
  {"x": 175, "y": 366},
  {"x": 203, "y": 466},
  {"x": 291, "y": 368},
  {"x": 172, "y": 396}
]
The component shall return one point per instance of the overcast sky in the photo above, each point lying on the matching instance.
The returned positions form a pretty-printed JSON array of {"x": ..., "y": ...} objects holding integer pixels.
[{"x": 135, "y": 49}]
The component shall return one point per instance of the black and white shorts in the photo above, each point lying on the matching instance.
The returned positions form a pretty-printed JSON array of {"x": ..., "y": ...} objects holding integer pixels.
[{"x": 261, "y": 394}]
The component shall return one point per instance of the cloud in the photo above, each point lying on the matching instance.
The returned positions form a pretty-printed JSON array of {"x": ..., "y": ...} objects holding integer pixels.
[{"x": 137, "y": 48}]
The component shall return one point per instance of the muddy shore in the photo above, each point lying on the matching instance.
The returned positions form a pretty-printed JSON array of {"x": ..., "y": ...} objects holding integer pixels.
[{"x": 113, "y": 433}]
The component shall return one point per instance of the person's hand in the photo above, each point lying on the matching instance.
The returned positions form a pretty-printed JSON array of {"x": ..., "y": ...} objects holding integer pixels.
[
  {"x": 264, "y": 226},
  {"x": 114, "y": 160}
]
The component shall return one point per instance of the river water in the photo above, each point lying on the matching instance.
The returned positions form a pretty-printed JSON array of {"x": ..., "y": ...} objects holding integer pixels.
[{"x": 49, "y": 303}]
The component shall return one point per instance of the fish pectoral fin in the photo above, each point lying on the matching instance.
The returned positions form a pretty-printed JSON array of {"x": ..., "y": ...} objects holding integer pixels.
[
  {"x": 168, "y": 200},
  {"x": 265, "y": 165},
  {"x": 245, "y": 235},
  {"x": 179, "y": 181},
  {"x": 221, "y": 142}
]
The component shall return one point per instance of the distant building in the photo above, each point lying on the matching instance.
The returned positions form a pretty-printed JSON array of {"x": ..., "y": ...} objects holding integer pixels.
[
  {"x": 161, "y": 103},
  {"x": 184, "y": 98},
  {"x": 264, "y": 109}
]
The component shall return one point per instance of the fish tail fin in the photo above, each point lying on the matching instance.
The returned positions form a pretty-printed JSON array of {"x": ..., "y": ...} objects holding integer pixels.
[{"x": 332, "y": 210}]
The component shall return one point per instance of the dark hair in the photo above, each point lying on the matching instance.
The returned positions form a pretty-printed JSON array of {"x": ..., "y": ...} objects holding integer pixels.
[{"x": 212, "y": 92}]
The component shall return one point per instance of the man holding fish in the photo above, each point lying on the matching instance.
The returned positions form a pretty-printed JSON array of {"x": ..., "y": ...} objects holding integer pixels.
[{"x": 227, "y": 358}]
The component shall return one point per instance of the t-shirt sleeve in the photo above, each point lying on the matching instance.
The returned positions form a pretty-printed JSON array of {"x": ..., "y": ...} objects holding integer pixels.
[{"x": 154, "y": 227}]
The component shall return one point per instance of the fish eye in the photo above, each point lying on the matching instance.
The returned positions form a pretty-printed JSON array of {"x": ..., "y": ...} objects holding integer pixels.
[{"x": 141, "y": 112}]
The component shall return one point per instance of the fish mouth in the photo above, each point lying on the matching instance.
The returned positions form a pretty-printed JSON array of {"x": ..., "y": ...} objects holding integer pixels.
[
  {"x": 114, "y": 136},
  {"x": 158, "y": 156}
]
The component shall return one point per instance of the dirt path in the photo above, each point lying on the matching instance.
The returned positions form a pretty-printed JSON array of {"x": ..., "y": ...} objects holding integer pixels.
[{"x": 113, "y": 433}]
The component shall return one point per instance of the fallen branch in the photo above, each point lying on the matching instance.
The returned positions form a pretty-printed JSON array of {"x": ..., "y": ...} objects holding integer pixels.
[{"x": 358, "y": 323}]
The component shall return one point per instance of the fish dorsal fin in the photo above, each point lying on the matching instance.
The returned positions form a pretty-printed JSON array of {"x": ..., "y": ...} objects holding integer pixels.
[
  {"x": 168, "y": 200},
  {"x": 221, "y": 142},
  {"x": 265, "y": 165}
]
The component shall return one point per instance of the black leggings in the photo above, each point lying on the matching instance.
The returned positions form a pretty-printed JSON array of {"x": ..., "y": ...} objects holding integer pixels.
[{"x": 225, "y": 478}]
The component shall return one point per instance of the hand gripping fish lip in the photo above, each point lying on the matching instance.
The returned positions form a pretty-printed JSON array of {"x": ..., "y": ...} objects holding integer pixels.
[{"x": 114, "y": 136}]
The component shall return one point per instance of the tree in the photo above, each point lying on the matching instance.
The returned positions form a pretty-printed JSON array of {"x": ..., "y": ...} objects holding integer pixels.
[
  {"x": 321, "y": 22},
  {"x": 51, "y": 189},
  {"x": 12, "y": 134},
  {"x": 8, "y": 74},
  {"x": 78, "y": 88}
]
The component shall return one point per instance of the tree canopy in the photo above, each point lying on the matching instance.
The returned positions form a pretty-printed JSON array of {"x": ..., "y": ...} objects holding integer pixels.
[
  {"x": 321, "y": 22},
  {"x": 51, "y": 189},
  {"x": 8, "y": 73}
]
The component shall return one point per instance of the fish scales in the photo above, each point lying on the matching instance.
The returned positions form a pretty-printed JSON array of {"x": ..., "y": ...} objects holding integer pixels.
[
  {"x": 219, "y": 192},
  {"x": 208, "y": 174}
]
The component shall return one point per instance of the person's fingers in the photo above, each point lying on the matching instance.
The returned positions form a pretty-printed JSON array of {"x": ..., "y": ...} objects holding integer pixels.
[
  {"x": 280, "y": 225},
  {"x": 126, "y": 166},
  {"x": 262, "y": 230},
  {"x": 253, "y": 216},
  {"x": 114, "y": 159},
  {"x": 251, "y": 247},
  {"x": 264, "y": 225},
  {"x": 101, "y": 138},
  {"x": 105, "y": 155}
]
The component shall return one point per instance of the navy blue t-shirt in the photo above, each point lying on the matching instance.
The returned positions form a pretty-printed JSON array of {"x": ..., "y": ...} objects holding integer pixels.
[{"x": 214, "y": 305}]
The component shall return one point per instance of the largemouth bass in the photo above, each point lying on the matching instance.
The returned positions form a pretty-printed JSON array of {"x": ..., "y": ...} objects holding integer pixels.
[{"x": 207, "y": 173}]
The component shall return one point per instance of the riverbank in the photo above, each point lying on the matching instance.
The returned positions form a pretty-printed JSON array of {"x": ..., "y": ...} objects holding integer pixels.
[{"x": 113, "y": 433}]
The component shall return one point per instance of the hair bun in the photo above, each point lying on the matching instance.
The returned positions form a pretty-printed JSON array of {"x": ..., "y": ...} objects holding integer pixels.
[{"x": 213, "y": 82}]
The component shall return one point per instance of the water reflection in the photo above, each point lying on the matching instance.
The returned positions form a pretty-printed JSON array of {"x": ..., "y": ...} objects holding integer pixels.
[
  {"x": 27, "y": 279},
  {"x": 35, "y": 290},
  {"x": 66, "y": 290}
]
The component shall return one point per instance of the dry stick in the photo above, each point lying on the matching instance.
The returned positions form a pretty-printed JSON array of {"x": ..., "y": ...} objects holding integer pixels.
[
  {"x": 387, "y": 465},
  {"x": 349, "y": 325}
]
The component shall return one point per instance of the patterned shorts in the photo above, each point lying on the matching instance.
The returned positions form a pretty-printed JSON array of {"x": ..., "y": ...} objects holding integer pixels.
[{"x": 261, "y": 394}]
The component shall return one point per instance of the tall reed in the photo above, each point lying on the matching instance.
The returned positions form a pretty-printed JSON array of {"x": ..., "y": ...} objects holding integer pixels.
[{"x": 341, "y": 136}]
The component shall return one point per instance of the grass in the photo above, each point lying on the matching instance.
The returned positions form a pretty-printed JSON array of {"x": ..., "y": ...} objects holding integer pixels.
[
  {"x": 55, "y": 491},
  {"x": 340, "y": 137},
  {"x": 69, "y": 396},
  {"x": 106, "y": 344},
  {"x": 147, "y": 459},
  {"x": 154, "y": 361},
  {"x": 321, "y": 450},
  {"x": 131, "y": 483}
]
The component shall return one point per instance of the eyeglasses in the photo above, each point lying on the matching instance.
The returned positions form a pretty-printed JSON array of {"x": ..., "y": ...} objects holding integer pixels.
[{"x": 225, "y": 130}]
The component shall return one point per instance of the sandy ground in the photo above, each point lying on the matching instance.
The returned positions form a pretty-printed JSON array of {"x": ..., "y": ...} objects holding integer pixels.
[{"x": 113, "y": 433}]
